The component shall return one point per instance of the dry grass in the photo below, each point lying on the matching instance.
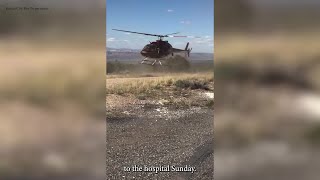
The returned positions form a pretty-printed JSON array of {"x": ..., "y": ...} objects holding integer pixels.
[{"x": 141, "y": 85}]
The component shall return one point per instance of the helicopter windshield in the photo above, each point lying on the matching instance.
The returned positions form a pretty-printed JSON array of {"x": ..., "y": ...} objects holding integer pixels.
[{"x": 150, "y": 47}]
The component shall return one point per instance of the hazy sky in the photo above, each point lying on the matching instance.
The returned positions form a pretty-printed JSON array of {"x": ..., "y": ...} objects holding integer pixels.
[{"x": 189, "y": 17}]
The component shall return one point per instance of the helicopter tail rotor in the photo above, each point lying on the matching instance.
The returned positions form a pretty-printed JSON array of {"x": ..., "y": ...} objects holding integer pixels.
[{"x": 189, "y": 50}]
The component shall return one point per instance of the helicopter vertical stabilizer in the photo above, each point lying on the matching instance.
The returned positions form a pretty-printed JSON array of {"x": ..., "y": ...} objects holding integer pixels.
[
  {"x": 187, "y": 46},
  {"x": 187, "y": 51}
]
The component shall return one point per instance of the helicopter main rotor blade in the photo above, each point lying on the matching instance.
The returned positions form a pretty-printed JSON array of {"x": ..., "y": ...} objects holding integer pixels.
[
  {"x": 147, "y": 34},
  {"x": 157, "y": 35},
  {"x": 171, "y": 34},
  {"x": 186, "y": 36}
]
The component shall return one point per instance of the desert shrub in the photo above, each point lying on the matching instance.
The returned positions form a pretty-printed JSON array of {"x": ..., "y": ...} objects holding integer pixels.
[
  {"x": 113, "y": 67},
  {"x": 192, "y": 84},
  {"x": 210, "y": 103},
  {"x": 182, "y": 84}
]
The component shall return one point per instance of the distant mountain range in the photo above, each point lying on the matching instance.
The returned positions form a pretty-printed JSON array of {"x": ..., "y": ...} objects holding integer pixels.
[
  {"x": 125, "y": 54},
  {"x": 122, "y": 50}
]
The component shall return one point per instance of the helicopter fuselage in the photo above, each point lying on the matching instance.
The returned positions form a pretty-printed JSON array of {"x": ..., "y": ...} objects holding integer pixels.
[{"x": 157, "y": 49}]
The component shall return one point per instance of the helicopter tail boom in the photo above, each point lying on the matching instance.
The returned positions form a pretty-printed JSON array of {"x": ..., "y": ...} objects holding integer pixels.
[{"x": 187, "y": 50}]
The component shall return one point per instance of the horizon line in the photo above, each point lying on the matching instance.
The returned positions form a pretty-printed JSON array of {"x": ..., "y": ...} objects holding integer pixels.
[{"x": 212, "y": 52}]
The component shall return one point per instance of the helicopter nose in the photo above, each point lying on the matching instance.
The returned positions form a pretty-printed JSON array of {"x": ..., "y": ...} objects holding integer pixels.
[{"x": 143, "y": 52}]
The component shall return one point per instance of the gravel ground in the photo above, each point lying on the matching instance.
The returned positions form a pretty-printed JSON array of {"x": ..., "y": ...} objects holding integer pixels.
[{"x": 157, "y": 135}]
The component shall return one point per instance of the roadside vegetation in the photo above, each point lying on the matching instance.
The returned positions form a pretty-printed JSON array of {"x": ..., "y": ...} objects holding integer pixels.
[
  {"x": 149, "y": 85},
  {"x": 179, "y": 83}
]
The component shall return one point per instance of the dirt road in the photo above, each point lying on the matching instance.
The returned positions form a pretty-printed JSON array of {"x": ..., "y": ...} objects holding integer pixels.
[{"x": 150, "y": 134}]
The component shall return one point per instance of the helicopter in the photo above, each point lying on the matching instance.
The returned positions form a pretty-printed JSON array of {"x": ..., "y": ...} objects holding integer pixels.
[{"x": 158, "y": 50}]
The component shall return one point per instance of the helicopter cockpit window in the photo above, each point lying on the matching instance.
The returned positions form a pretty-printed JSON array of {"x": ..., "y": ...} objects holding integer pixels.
[
  {"x": 150, "y": 47},
  {"x": 147, "y": 47}
]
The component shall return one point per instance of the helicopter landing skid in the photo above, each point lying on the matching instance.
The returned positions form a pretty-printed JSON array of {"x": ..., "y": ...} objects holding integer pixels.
[{"x": 151, "y": 62}]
